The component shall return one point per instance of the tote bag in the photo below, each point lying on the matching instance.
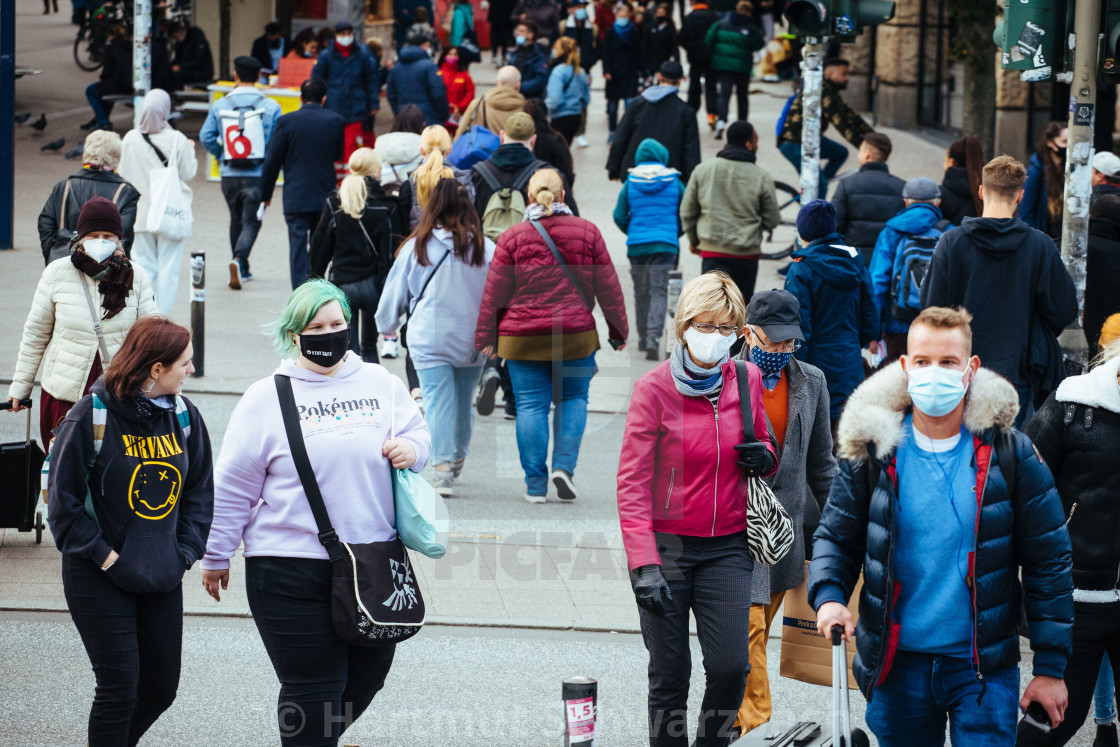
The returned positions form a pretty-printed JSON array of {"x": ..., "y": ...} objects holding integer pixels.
[
  {"x": 423, "y": 523},
  {"x": 169, "y": 212}
]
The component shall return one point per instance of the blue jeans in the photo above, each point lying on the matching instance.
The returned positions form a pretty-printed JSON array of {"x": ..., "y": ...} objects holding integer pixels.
[
  {"x": 832, "y": 153},
  {"x": 101, "y": 109},
  {"x": 909, "y": 709},
  {"x": 612, "y": 112},
  {"x": 300, "y": 228},
  {"x": 1104, "y": 696},
  {"x": 449, "y": 401},
  {"x": 536, "y": 384}
]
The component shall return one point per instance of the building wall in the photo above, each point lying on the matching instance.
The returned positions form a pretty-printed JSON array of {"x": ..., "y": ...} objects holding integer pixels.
[{"x": 247, "y": 20}]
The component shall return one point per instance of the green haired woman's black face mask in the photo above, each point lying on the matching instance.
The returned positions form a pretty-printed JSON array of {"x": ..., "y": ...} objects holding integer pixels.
[{"x": 327, "y": 349}]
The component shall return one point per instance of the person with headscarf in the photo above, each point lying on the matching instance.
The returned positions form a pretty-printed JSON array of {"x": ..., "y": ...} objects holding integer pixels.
[
  {"x": 156, "y": 145},
  {"x": 59, "y": 336}
]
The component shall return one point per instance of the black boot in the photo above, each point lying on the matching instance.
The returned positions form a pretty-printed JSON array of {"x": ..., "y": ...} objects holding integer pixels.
[
  {"x": 1106, "y": 736},
  {"x": 92, "y": 124}
]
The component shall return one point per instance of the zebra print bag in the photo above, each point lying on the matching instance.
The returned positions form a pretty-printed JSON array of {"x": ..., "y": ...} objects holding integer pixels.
[{"x": 769, "y": 528}]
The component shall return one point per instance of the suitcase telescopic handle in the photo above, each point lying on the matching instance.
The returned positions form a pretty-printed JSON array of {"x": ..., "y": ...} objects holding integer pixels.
[{"x": 26, "y": 404}]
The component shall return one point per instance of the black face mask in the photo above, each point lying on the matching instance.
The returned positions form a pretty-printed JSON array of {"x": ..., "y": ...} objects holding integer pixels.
[
  {"x": 1059, "y": 152},
  {"x": 325, "y": 350}
]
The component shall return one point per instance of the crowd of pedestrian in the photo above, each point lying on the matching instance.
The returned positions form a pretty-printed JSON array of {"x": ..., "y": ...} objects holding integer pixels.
[{"x": 902, "y": 401}]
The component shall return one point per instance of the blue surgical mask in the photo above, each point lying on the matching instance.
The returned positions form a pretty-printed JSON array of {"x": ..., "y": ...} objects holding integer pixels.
[
  {"x": 520, "y": 40},
  {"x": 935, "y": 391},
  {"x": 769, "y": 363},
  {"x": 581, "y": 14},
  {"x": 622, "y": 22}
]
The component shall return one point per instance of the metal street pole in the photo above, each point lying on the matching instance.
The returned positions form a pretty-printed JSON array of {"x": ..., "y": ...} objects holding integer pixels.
[
  {"x": 811, "y": 77},
  {"x": 1075, "y": 216},
  {"x": 141, "y": 56},
  {"x": 7, "y": 123},
  {"x": 198, "y": 310}
]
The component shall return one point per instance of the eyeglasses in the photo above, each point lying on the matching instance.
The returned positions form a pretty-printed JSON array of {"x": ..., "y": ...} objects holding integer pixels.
[
  {"x": 724, "y": 329},
  {"x": 789, "y": 346}
]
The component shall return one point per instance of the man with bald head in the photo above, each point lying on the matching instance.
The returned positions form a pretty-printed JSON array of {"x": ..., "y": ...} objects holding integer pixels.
[{"x": 493, "y": 109}]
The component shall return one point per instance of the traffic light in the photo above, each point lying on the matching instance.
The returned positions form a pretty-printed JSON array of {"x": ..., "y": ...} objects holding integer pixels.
[
  {"x": 1110, "y": 54},
  {"x": 1030, "y": 37},
  {"x": 850, "y": 17},
  {"x": 809, "y": 17}
]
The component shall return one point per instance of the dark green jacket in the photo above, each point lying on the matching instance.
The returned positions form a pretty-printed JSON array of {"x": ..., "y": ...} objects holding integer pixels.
[{"x": 732, "y": 43}]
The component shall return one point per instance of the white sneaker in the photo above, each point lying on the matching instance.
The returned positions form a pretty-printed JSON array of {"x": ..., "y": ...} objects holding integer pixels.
[
  {"x": 565, "y": 488},
  {"x": 720, "y": 127},
  {"x": 581, "y": 141},
  {"x": 389, "y": 349},
  {"x": 535, "y": 498}
]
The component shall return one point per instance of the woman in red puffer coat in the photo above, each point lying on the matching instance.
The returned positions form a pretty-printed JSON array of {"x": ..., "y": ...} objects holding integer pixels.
[
  {"x": 459, "y": 84},
  {"x": 540, "y": 322}
]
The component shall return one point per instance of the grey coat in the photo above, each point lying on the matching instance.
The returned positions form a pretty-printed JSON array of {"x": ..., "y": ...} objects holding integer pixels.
[{"x": 805, "y": 470}]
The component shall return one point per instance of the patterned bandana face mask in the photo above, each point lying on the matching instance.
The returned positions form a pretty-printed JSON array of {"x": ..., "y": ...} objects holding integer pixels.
[{"x": 770, "y": 363}]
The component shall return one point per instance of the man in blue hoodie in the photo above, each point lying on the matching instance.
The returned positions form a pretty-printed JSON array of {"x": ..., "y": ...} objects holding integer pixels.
[
  {"x": 236, "y": 132},
  {"x": 660, "y": 114},
  {"x": 416, "y": 80},
  {"x": 353, "y": 84},
  {"x": 838, "y": 315},
  {"x": 530, "y": 59},
  {"x": 900, "y": 259},
  {"x": 648, "y": 212}
]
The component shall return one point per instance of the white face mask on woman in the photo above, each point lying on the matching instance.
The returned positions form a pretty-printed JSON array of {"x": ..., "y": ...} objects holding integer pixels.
[
  {"x": 99, "y": 250},
  {"x": 708, "y": 348}
]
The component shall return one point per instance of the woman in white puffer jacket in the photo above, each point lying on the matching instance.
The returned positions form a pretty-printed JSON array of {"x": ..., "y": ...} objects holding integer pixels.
[{"x": 59, "y": 337}]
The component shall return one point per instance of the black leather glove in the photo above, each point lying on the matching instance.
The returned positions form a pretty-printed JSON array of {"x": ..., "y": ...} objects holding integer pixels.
[
  {"x": 755, "y": 459},
  {"x": 650, "y": 588}
]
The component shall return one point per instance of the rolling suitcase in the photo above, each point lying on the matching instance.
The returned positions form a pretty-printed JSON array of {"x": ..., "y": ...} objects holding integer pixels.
[
  {"x": 811, "y": 733},
  {"x": 20, "y": 465}
]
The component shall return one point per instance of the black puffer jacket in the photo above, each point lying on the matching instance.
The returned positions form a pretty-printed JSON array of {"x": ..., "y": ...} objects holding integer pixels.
[
  {"x": 1017, "y": 527},
  {"x": 956, "y": 199},
  {"x": 1077, "y": 432},
  {"x": 1102, "y": 275},
  {"x": 84, "y": 186},
  {"x": 694, "y": 28},
  {"x": 340, "y": 242},
  {"x": 864, "y": 203}
]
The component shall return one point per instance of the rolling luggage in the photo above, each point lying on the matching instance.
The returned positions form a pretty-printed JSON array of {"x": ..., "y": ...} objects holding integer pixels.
[
  {"x": 811, "y": 733},
  {"x": 20, "y": 463}
]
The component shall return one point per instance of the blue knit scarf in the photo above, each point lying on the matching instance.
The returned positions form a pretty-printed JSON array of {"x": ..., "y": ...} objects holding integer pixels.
[{"x": 691, "y": 379}]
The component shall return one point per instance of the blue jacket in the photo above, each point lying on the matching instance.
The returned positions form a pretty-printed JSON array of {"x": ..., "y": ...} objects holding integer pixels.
[
  {"x": 416, "y": 80},
  {"x": 648, "y": 207},
  {"x": 1021, "y": 526},
  {"x": 305, "y": 144},
  {"x": 569, "y": 92},
  {"x": 532, "y": 61},
  {"x": 1033, "y": 208},
  {"x": 211, "y": 133},
  {"x": 912, "y": 221},
  {"x": 353, "y": 82},
  {"x": 838, "y": 315}
]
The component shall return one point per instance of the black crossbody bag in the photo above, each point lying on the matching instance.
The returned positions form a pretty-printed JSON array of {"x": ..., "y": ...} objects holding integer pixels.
[{"x": 375, "y": 600}]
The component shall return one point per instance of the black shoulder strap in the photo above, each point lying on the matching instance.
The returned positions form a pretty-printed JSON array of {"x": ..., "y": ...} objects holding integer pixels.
[
  {"x": 486, "y": 171},
  {"x": 527, "y": 173},
  {"x": 327, "y": 535},
  {"x": 159, "y": 152},
  {"x": 428, "y": 280},
  {"x": 943, "y": 225},
  {"x": 1006, "y": 457},
  {"x": 745, "y": 402},
  {"x": 589, "y": 303}
]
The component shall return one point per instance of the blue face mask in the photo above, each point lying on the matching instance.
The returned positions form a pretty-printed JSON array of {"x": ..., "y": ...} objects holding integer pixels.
[
  {"x": 770, "y": 363},
  {"x": 622, "y": 23},
  {"x": 581, "y": 14},
  {"x": 520, "y": 40},
  {"x": 936, "y": 391}
]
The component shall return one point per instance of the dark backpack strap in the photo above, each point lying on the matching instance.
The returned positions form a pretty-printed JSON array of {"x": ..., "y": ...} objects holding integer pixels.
[
  {"x": 427, "y": 281},
  {"x": 589, "y": 303},
  {"x": 486, "y": 171},
  {"x": 159, "y": 152},
  {"x": 527, "y": 173},
  {"x": 745, "y": 402},
  {"x": 1006, "y": 457},
  {"x": 943, "y": 225},
  {"x": 327, "y": 536}
]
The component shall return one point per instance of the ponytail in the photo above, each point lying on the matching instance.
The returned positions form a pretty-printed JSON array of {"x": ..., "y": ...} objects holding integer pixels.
[
  {"x": 352, "y": 193},
  {"x": 437, "y": 141}
]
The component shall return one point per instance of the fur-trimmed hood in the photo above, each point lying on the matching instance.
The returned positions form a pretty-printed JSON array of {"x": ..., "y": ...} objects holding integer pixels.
[
  {"x": 1098, "y": 388},
  {"x": 875, "y": 411}
]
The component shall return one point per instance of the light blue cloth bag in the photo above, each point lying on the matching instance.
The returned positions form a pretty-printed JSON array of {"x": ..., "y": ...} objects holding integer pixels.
[{"x": 423, "y": 523}]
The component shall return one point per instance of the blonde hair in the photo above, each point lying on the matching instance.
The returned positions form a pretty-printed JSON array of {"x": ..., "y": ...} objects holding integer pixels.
[
  {"x": 940, "y": 317},
  {"x": 567, "y": 52},
  {"x": 102, "y": 149},
  {"x": 352, "y": 194},
  {"x": 1109, "y": 341},
  {"x": 437, "y": 141},
  {"x": 545, "y": 188},
  {"x": 711, "y": 293}
]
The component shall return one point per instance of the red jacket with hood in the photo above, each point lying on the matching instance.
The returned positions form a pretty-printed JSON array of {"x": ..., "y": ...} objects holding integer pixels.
[{"x": 677, "y": 473}]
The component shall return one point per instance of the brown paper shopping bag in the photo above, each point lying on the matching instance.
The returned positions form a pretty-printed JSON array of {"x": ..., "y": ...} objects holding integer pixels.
[{"x": 806, "y": 654}]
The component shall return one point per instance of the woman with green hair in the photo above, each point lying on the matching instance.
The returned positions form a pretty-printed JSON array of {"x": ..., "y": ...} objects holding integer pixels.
[{"x": 358, "y": 422}]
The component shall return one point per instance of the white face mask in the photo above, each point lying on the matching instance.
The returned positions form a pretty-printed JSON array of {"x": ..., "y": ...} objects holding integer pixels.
[
  {"x": 710, "y": 348},
  {"x": 99, "y": 250},
  {"x": 344, "y": 41}
]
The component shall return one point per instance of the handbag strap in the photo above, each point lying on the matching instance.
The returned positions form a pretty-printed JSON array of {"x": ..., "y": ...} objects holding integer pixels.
[
  {"x": 327, "y": 536},
  {"x": 159, "y": 152},
  {"x": 365, "y": 233},
  {"x": 745, "y": 402},
  {"x": 424, "y": 287},
  {"x": 563, "y": 265},
  {"x": 96, "y": 324},
  {"x": 65, "y": 204}
]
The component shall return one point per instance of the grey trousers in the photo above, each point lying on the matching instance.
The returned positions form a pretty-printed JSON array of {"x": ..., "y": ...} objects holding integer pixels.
[{"x": 650, "y": 274}]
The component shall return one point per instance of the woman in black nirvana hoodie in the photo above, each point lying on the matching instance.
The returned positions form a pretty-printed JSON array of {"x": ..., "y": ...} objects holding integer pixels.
[{"x": 131, "y": 497}]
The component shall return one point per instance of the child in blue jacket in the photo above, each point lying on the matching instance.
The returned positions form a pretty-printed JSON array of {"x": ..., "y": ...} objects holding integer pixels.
[{"x": 648, "y": 212}]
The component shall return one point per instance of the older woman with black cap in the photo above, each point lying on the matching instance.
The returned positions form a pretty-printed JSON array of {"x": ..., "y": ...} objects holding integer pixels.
[
  {"x": 83, "y": 308},
  {"x": 795, "y": 397}
]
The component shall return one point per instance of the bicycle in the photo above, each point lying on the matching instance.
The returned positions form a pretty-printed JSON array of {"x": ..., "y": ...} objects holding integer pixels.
[{"x": 93, "y": 33}]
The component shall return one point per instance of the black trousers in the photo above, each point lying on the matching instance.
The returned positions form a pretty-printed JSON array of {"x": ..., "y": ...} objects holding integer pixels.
[
  {"x": 743, "y": 271},
  {"x": 1096, "y": 633},
  {"x": 742, "y": 84},
  {"x": 712, "y": 577},
  {"x": 708, "y": 87},
  {"x": 363, "y": 297},
  {"x": 243, "y": 196},
  {"x": 325, "y": 683},
  {"x": 134, "y": 642},
  {"x": 568, "y": 126}
]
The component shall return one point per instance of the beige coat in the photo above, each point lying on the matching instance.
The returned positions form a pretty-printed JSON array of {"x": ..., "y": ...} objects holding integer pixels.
[
  {"x": 58, "y": 336},
  {"x": 501, "y": 104}
]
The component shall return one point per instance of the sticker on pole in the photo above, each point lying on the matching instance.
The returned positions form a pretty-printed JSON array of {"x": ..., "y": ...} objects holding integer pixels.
[
  {"x": 1083, "y": 115},
  {"x": 581, "y": 720},
  {"x": 1030, "y": 43},
  {"x": 844, "y": 26}
]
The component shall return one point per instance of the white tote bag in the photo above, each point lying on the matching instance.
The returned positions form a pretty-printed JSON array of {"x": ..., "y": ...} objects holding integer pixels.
[{"x": 169, "y": 211}]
